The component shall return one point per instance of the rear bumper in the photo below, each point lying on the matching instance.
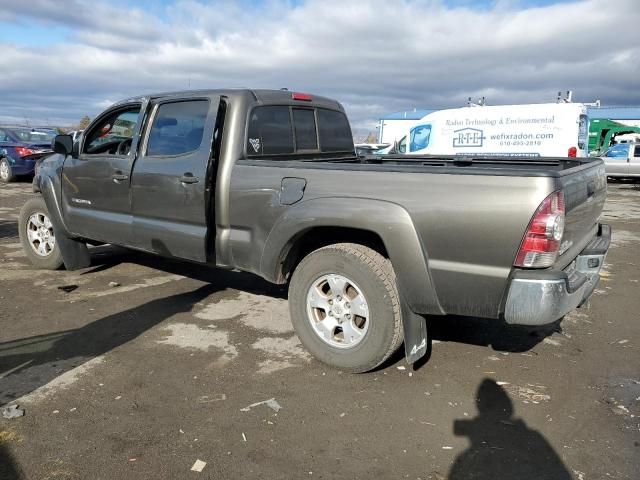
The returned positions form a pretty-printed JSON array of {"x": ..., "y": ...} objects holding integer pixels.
[
  {"x": 538, "y": 297},
  {"x": 22, "y": 166}
]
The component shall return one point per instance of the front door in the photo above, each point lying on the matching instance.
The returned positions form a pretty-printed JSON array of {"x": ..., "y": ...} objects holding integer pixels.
[
  {"x": 95, "y": 185},
  {"x": 617, "y": 160},
  {"x": 171, "y": 184}
]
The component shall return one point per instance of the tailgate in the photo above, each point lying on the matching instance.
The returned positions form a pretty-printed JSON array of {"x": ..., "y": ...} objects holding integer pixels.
[{"x": 585, "y": 192}]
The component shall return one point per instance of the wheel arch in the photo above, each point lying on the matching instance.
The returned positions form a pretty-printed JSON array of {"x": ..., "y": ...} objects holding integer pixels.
[
  {"x": 75, "y": 253},
  {"x": 383, "y": 226}
]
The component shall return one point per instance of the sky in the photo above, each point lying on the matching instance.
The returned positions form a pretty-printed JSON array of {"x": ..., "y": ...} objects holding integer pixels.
[{"x": 63, "y": 59}]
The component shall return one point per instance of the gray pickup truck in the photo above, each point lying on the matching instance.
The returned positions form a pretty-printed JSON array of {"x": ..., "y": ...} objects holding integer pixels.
[{"x": 268, "y": 182}]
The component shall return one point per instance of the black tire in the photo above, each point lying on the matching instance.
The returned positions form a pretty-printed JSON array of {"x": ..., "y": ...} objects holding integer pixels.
[
  {"x": 5, "y": 166},
  {"x": 53, "y": 259},
  {"x": 375, "y": 277}
]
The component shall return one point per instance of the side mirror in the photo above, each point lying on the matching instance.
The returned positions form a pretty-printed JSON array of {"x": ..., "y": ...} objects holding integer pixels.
[{"x": 62, "y": 144}]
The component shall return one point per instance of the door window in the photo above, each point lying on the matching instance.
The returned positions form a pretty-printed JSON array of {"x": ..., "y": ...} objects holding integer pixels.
[
  {"x": 178, "y": 128},
  {"x": 636, "y": 151},
  {"x": 113, "y": 134},
  {"x": 402, "y": 145},
  {"x": 618, "y": 151}
]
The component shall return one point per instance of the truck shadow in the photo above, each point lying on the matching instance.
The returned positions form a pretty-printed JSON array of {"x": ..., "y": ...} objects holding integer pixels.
[
  {"x": 32, "y": 362},
  {"x": 8, "y": 229},
  {"x": 107, "y": 256},
  {"x": 625, "y": 183},
  {"x": 493, "y": 333},
  {"x": 503, "y": 446},
  {"x": 482, "y": 332}
]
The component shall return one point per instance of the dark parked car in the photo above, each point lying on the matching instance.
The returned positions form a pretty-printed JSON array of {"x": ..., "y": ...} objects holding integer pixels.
[{"x": 20, "y": 148}]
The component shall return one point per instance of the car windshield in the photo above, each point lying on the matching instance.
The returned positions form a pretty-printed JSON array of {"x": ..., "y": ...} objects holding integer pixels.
[
  {"x": 618, "y": 151},
  {"x": 32, "y": 135}
]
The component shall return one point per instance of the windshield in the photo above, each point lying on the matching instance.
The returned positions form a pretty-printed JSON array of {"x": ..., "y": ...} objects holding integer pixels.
[
  {"x": 30, "y": 135},
  {"x": 419, "y": 138},
  {"x": 618, "y": 151}
]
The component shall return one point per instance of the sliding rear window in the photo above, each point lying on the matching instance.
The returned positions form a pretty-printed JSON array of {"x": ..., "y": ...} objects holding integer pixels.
[{"x": 285, "y": 130}]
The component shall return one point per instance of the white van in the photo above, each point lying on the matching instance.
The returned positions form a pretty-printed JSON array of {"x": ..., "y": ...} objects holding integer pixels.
[{"x": 538, "y": 130}]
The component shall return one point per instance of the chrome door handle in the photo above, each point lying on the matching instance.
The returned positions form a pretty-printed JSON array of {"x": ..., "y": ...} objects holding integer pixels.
[
  {"x": 189, "y": 178},
  {"x": 119, "y": 177}
]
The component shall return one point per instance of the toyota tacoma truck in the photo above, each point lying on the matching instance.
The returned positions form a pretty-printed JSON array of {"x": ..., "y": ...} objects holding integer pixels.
[{"x": 268, "y": 182}]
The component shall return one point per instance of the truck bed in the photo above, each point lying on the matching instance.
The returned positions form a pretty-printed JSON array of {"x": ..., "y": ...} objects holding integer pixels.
[
  {"x": 469, "y": 217},
  {"x": 478, "y": 165}
]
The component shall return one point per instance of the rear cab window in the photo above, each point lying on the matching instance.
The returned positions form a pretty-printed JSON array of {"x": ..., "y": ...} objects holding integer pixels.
[{"x": 288, "y": 130}]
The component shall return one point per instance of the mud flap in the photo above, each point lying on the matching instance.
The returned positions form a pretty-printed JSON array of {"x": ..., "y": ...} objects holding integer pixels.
[
  {"x": 75, "y": 253},
  {"x": 415, "y": 334}
]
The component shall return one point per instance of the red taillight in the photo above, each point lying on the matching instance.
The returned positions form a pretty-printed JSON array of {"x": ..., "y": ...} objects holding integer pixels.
[
  {"x": 573, "y": 152},
  {"x": 23, "y": 151},
  {"x": 305, "y": 97},
  {"x": 541, "y": 242}
]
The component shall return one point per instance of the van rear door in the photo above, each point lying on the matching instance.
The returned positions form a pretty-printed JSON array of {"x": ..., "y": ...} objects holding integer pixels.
[{"x": 583, "y": 136}]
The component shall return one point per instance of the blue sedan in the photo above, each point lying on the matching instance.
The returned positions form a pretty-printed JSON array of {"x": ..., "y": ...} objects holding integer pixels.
[{"x": 20, "y": 148}]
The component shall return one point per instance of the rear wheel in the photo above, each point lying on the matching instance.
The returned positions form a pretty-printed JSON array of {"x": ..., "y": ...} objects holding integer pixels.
[
  {"x": 37, "y": 236},
  {"x": 345, "y": 306},
  {"x": 6, "y": 173}
]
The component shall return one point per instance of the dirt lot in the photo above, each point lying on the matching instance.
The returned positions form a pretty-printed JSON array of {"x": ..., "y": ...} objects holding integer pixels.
[{"x": 141, "y": 379}]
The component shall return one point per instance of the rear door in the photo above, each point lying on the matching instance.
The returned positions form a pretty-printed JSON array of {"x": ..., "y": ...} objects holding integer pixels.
[
  {"x": 171, "y": 184},
  {"x": 95, "y": 186}
]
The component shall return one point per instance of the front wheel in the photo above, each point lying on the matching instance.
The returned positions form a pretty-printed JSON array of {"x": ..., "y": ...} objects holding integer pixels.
[
  {"x": 345, "y": 306},
  {"x": 6, "y": 173},
  {"x": 37, "y": 236}
]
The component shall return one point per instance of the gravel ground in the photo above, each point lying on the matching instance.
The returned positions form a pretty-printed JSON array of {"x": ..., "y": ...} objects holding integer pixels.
[{"x": 143, "y": 366}]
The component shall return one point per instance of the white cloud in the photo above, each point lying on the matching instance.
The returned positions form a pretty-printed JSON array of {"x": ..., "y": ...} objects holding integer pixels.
[{"x": 375, "y": 57}]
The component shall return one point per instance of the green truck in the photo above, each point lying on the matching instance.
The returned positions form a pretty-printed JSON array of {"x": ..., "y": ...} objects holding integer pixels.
[{"x": 602, "y": 132}]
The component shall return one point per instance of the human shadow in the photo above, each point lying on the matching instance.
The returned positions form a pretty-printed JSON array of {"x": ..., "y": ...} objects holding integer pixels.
[
  {"x": 503, "y": 446},
  {"x": 9, "y": 469}
]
